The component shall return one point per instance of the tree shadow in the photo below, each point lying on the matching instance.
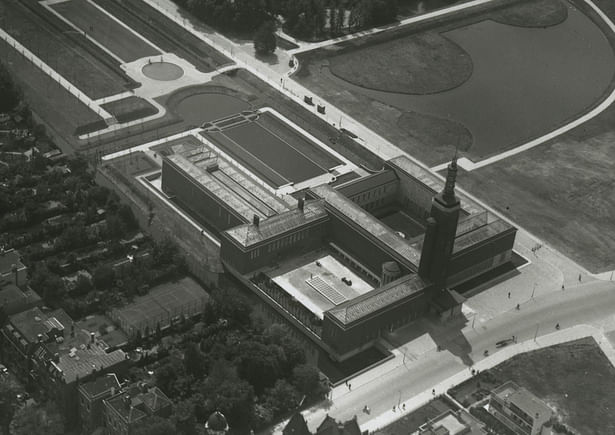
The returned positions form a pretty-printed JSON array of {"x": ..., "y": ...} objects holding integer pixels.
[{"x": 270, "y": 59}]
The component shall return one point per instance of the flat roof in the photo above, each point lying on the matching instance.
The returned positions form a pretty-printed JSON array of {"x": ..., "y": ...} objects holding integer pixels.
[
  {"x": 368, "y": 182},
  {"x": 230, "y": 185},
  {"x": 162, "y": 301},
  {"x": 404, "y": 164},
  {"x": 477, "y": 235},
  {"x": 315, "y": 281},
  {"x": 369, "y": 223},
  {"x": 100, "y": 385},
  {"x": 8, "y": 259},
  {"x": 522, "y": 399},
  {"x": 250, "y": 234},
  {"x": 379, "y": 298}
]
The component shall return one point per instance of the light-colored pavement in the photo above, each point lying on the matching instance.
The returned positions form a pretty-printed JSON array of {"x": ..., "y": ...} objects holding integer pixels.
[{"x": 586, "y": 310}]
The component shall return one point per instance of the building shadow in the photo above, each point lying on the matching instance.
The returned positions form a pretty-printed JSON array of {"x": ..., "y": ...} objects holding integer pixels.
[{"x": 446, "y": 334}]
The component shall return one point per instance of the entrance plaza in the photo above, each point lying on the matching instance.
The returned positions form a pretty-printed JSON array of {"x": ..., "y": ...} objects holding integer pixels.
[{"x": 315, "y": 280}]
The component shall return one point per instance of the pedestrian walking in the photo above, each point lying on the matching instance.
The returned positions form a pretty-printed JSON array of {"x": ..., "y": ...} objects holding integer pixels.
[
  {"x": 349, "y": 387},
  {"x": 403, "y": 406},
  {"x": 508, "y": 295},
  {"x": 579, "y": 277},
  {"x": 563, "y": 288},
  {"x": 433, "y": 392}
]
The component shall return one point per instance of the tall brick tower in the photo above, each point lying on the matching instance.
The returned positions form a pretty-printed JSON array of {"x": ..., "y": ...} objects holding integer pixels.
[{"x": 441, "y": 228}]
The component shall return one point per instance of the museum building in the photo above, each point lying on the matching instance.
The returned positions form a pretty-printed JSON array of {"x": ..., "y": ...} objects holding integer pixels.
[{"x": 346, "y": 263}]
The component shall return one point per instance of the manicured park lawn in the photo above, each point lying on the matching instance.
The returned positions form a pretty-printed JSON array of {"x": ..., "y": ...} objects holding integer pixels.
[
  {"x": 105, "y": 30},
  {"x": 67, "y": 52},
  {"x": 129, "y": 109},
  {"x": 418, "y": 64}
]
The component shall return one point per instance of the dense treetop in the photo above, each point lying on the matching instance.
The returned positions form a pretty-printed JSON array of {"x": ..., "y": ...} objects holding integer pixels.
[{"x": 304, "y": 19}]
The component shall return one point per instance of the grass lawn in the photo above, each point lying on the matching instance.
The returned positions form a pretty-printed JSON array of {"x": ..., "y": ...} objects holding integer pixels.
[
  {"x": 562, "y": 191},
  {"x": 165, "y": 33},
  {"x": 106, "y": 31},
  {"x": 424, "y": 63},
  {"x": 410, "y": 423},
  {"x": 574, "y": 378},
  {"x": 52, "y": 40},
  {"x": 607, "y": 6},
  {"x": 60, "y": 110},
  {"x": 533, "y": 13},
  {"x": 129, "y": 109}
]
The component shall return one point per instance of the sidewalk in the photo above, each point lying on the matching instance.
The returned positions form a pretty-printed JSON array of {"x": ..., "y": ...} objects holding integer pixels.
[{"x": 491, "y": 361}]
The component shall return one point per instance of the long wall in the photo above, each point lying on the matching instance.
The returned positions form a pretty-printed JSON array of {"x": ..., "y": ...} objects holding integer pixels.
[
  {"x": 350, "y": 340},
  {"x": 194, "y": 197}
]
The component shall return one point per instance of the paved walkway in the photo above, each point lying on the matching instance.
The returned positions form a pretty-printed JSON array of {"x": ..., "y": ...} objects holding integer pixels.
[{"x": 307, "y": 46}]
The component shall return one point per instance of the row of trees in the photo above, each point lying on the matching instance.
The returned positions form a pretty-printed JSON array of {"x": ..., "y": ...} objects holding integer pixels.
[
  {"x": 10, "y": 94},
  {"x": 304, "y": 19}
]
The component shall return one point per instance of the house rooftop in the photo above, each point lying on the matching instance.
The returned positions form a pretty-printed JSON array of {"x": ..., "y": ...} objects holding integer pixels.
[
  {"x": 100, "y": 385},
  {"x": 138, "y": 401},
  {"x": 8, "y": 259},
  {"x": 522, "y": 399}
]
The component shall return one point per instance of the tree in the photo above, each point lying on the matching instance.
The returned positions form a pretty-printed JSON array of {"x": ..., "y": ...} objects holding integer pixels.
[
  {"x": 260, "y": 364},
  {"x": 10, "y": 94},
  {"x": 307, "y": 380},
  {"x": 43, "y": 419},
  {"x": 194, "y": 361},
  {"x": 103, "y": 277},
  {"x": 154, "y": 425},
  {"x": 282, "y": 397},
  {"x": 264, "y": 39},
  {"x": 231, "y": 396}
]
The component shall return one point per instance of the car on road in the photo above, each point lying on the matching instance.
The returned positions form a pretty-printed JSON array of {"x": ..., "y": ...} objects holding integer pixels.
[{"x": 505, "y": 342}]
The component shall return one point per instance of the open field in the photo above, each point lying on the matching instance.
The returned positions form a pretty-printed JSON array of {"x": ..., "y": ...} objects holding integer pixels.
[
  {"x": 70, "y": 54},
  {"x": 426, "y": 125},
  {"x": 165, "y": 33},
  {"x": 562, "y": 191},
  {"x": 575, "y": 378},
  {"x": 105, "y": 30},
  {"x": 129, "y": 109}
]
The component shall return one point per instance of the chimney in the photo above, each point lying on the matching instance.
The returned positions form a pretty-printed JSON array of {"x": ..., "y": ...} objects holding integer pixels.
[
  {"x": 256, "y": 220},
  {"x": 40, "y": 338},
  {"x": 112, "y": 391},
  {"x": 56, "y": 357},
  {"x": 301, "y": 204},
  {"x": 92, "y": 337},
  {"x": 126, "y": 401}
]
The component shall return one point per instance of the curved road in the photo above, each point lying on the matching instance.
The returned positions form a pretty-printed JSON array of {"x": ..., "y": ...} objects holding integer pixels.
[{"x": 589, "y": 304}]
